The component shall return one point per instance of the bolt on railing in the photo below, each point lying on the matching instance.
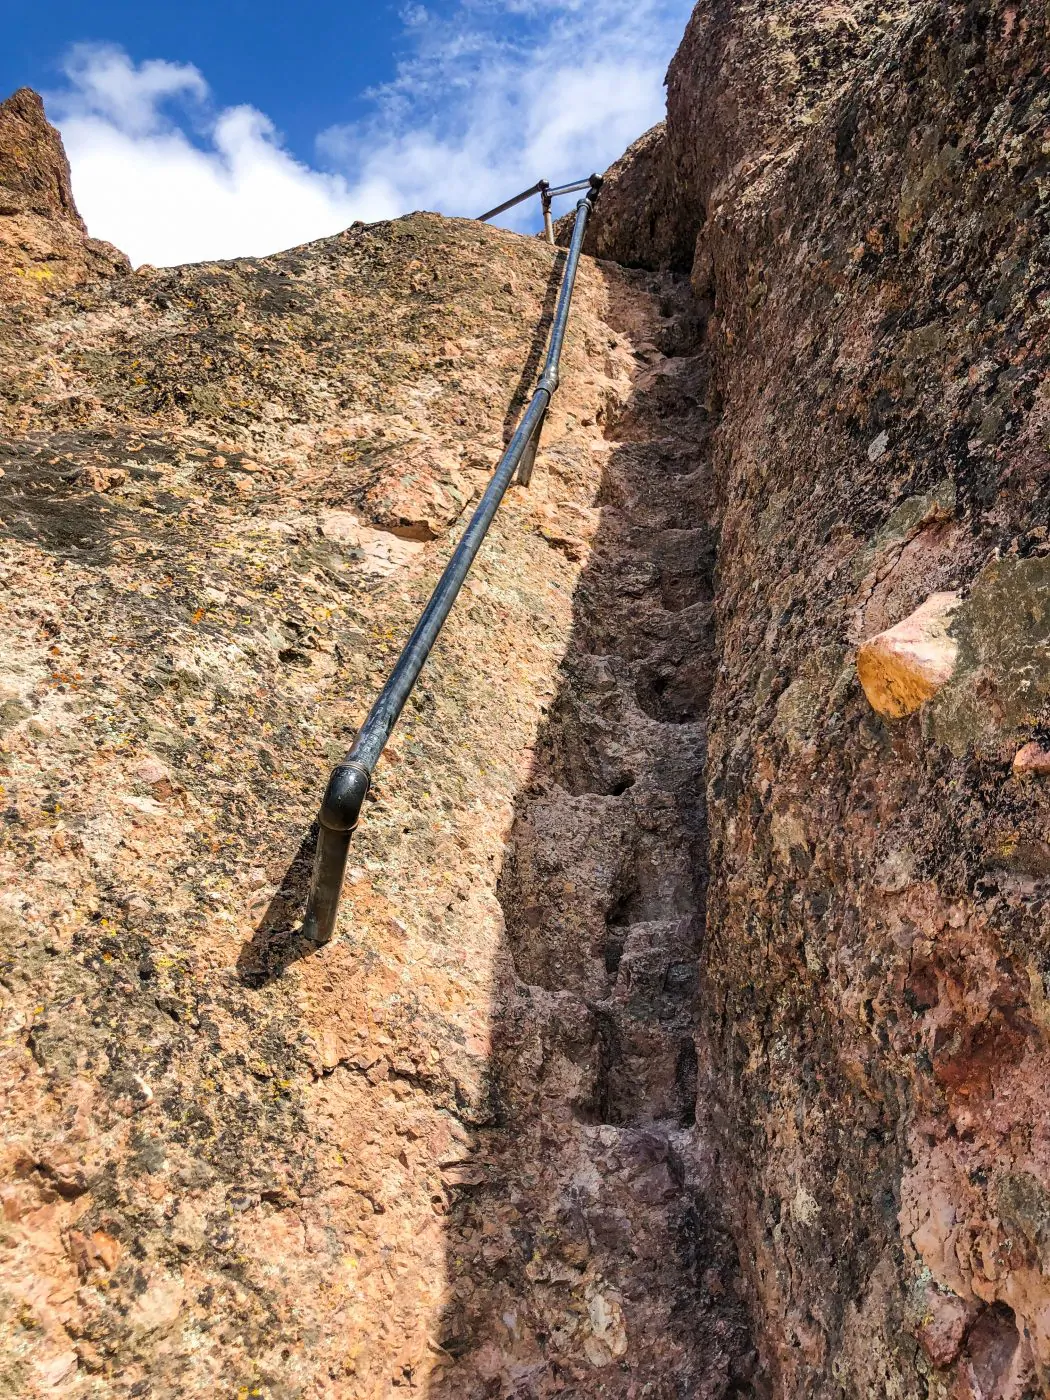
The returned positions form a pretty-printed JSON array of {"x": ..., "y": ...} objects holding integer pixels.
[
  {"x": 351, "y": 779},
  {"x": 546, "y": 194}
]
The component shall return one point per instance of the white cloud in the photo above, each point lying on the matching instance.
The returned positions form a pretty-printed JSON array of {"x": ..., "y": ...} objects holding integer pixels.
[
  {"x": 143, "y": 183},
  {"x": 105, "y": 81},
  {"x": 486, "y": 101},
  {"x": 503, "y": 92}
]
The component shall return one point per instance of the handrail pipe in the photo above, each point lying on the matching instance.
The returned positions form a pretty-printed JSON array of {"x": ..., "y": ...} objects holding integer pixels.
[
  {"x": 350, "y": 780},
  {"x": 538, "y": 188},
  {"x": 547, "y": 196}
]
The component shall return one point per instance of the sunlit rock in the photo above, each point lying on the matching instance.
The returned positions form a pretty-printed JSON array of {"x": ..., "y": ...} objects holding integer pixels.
[{"x": 1032, "y": 759}]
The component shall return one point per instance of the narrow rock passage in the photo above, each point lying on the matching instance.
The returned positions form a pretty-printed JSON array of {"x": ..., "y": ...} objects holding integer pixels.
[{"x": 592, "y": 1258}]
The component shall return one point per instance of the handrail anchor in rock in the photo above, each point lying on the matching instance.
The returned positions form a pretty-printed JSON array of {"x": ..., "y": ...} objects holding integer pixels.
[{"x": 350, "y": 779}]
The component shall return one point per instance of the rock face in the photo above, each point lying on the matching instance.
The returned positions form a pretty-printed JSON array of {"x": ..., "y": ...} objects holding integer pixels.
[
  {"x": 34, "y": 171},
  {"x": 686, "y": 1031},
  {"x": 612, "y": 1273},
  {"x": 44, "y": 245},
  {"x": 637, "y": 224},
  {"x": 865, "y": 185},
  {"x": 454, "y": 1151}
]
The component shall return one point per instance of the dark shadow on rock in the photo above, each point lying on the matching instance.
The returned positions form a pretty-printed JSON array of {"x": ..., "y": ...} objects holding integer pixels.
[
  {"x": 53, "y": 493},
  {"x": 537, "y": 349},
  {"x": 277, "y": 941}
]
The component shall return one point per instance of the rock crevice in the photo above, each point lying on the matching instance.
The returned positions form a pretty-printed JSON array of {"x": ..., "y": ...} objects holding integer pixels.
[
  {"x": 864, "y": 187},
  {"x": 596, "y": 1259}
]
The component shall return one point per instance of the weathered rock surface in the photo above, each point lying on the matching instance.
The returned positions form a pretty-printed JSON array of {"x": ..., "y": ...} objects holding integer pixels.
[
  {"x": 44, "y": 245},
  {"x": 866, "y": 185},
  {"x": 454, "y": 1149},
  {"x": 686, "y": 1033},
  {"x": 636, "y": 223},
  {"x": 612, "y": 1273}
]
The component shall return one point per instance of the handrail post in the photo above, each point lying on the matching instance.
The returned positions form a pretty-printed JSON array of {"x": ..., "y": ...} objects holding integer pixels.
[
  {"x": 550, "y": 373},
  {"x": 528, "y": 460},
  {"x": 340, "y": 812},
  {"x": 350, "y": 780}
]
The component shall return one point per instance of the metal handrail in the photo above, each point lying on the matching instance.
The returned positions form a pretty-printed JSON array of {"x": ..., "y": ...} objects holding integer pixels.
[
  {"x": 351, "y": 779},
  {"x": 571, "y": 189},
  {"x": 537, "y": 188},
  {"x": 547, "y": 194}
]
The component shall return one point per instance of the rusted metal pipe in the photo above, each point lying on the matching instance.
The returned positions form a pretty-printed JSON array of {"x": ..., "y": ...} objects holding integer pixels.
[{"x": 548, "y": 226}]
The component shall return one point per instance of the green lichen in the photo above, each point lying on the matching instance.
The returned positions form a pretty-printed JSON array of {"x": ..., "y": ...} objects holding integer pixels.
[
  {"x": 802, "y": 705},
  {"x": 1001, "y": 685},
  {"x": 1024, "y": 1208}
]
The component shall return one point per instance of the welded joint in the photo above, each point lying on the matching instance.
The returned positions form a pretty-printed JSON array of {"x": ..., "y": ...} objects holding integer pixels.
[{"x": 348, "y": 786}]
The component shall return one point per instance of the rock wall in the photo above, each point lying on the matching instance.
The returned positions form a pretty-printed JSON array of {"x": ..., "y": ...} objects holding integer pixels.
[
  {"x": 686, "y": 1029},
  {"x": 44, "y": 245},
  {"x": 595, "y": 1259},
  {"x": 229, "y": 1158},
  {"x": 639, "y": 221},
  {"x": 868, "y": 188}
]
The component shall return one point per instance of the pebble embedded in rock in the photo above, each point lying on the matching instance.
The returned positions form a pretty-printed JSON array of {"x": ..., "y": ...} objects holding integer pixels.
[
  {"x": 151, "y": 771},
  {"x": 903, "y": 667},
  {"x": 1032, "y": 759},
  {"x": 877, "y": 447}
]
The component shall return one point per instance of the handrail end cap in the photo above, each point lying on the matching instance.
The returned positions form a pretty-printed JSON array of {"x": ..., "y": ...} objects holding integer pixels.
[{"x": 344, "y": 796}]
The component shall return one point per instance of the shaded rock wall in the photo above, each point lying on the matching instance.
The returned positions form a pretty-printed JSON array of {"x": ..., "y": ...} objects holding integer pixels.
[
  {"x": 594, "y": 1258},
  {"x": 868, "y": 189},
  {"x": 636, "y": 221}
]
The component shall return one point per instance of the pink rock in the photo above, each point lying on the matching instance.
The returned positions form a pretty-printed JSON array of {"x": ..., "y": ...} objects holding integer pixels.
[
  {"x": 151, "y": 771},
  {"x": 903, "y": 667},
  {"x": 1033, "y": 759},
  {"x": 943, "y": 1326}
]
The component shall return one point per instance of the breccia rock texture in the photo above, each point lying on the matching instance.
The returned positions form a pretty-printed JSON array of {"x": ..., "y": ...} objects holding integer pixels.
[
  {"x": 43, "y": 243},
  {"x": 867, "y": 190}
]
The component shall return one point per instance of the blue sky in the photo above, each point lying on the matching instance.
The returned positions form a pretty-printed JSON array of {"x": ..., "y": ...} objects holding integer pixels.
[
  {"x": 199, "y": 130},
  {"x": 306, "y": 65}
]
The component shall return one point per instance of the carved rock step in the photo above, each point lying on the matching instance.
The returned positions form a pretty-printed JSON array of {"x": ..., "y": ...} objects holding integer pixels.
[
  {"x": 595, "y": 1284},
  {"x": 602, "y": 740},
  {"x": 648, "y": 1067}
]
